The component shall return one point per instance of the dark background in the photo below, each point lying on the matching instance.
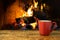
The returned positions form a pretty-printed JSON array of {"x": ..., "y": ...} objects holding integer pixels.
[{"x": 54, "y": 4}]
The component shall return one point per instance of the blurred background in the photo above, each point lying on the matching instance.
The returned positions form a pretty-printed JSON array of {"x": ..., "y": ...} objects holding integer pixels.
[{"x": 11, "y": 11}]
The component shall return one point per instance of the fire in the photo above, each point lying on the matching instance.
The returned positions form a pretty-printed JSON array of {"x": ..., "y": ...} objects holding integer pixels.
[
  {"x": 35, "y": 4},
  {"x": 34, "y": 25},
  {"x": 41, "y": 7},
  {"x": 30, "y": 12},
  {"x": 44, "y": 5},
  {"x": 22, "y": 22}
]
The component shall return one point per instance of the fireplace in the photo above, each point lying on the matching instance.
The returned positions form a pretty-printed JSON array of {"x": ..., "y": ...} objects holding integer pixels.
[{"x": 30, "y": 11}]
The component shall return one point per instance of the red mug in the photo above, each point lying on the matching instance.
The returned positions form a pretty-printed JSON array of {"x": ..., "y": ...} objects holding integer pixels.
[{"x": 44, "y": 27}]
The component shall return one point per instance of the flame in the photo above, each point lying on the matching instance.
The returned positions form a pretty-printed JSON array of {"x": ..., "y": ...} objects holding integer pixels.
[
  {"x": 29, "y": 12},
  {"x": 44, "y": 5},
  {"x": 19, "y": 12},
  {"x": 33, "y": 25},
  {"x": 41, "y": 7},
  {"x": 35, "y": 4},
  {"x": 22, "y": 22}
]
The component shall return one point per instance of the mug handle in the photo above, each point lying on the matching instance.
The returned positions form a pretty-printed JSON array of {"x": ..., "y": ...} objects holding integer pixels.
[{"x": 53, "y": 25}]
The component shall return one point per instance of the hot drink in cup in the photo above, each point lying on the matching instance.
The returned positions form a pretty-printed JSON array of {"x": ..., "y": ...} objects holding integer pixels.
[{"x": 44, "y": 27}]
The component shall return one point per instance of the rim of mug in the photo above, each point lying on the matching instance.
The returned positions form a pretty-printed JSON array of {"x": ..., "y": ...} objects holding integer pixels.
[{"x": 45, "y": 20}]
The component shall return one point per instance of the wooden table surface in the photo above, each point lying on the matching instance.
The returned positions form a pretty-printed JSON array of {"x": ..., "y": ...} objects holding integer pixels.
[{"x": 27, "y": 35}]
